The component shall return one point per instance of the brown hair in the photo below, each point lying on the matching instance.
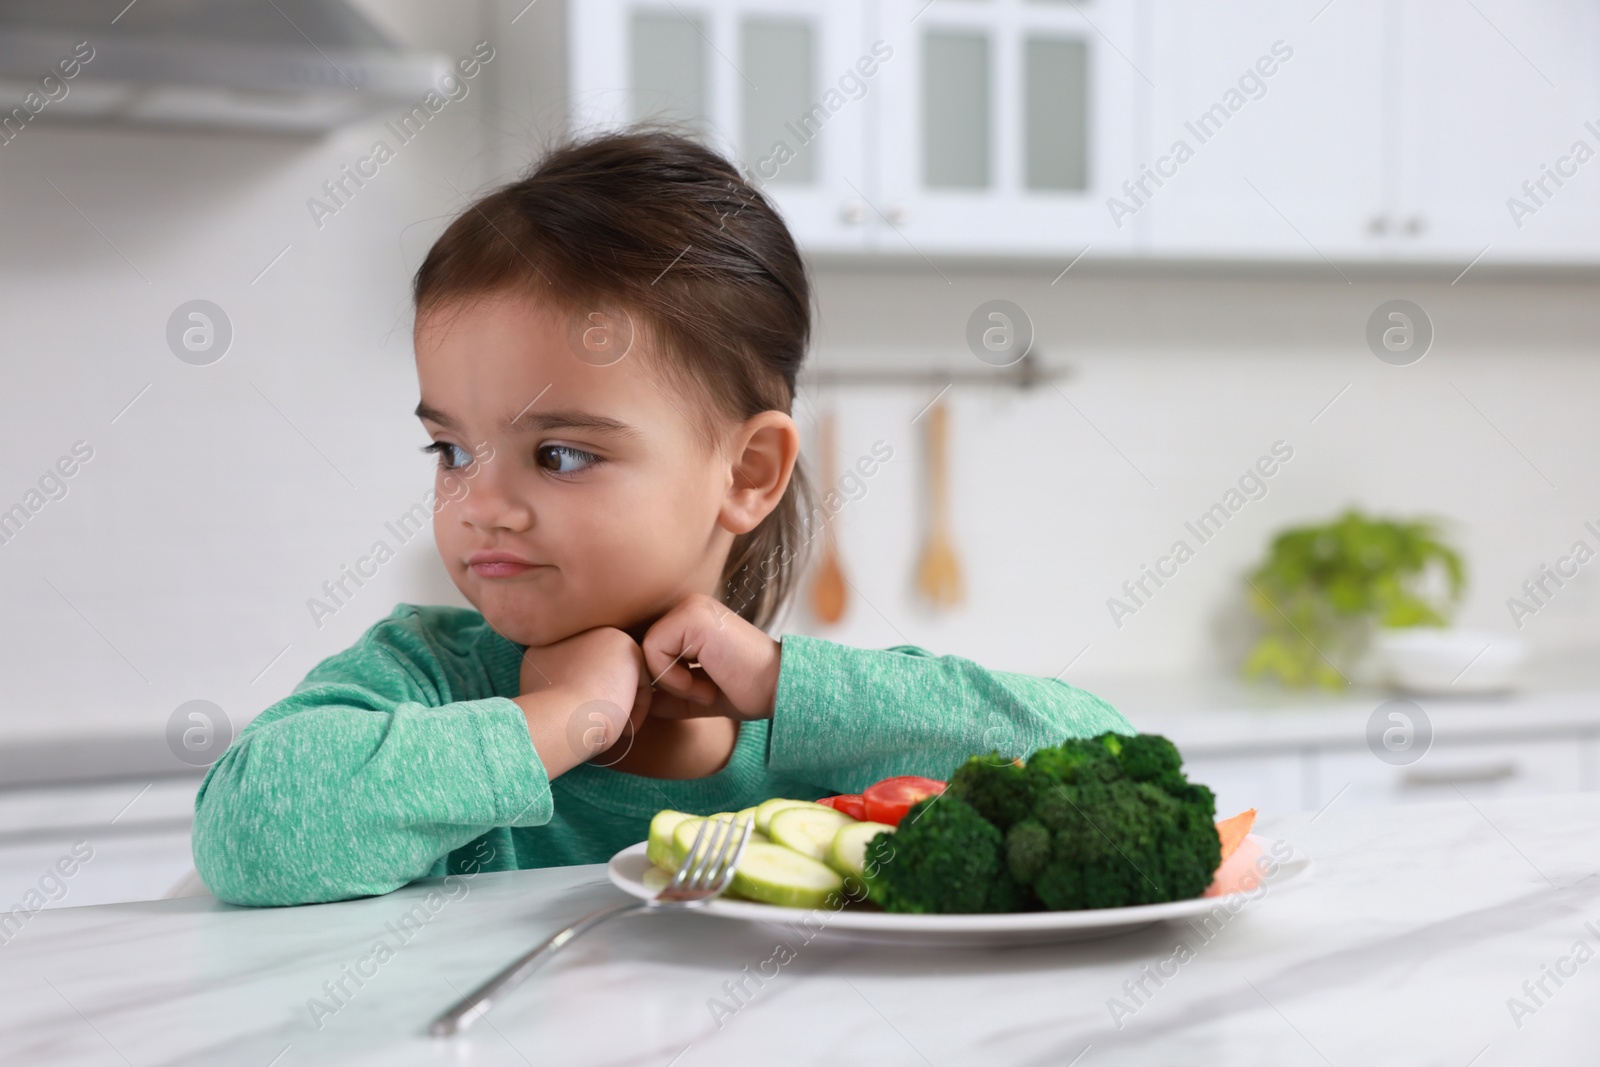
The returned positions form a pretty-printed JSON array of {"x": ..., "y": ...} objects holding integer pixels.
[{"x": 666, "y": 229}]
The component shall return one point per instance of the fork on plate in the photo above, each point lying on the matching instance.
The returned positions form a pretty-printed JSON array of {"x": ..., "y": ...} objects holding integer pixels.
[{"x": 700, "y": 878}]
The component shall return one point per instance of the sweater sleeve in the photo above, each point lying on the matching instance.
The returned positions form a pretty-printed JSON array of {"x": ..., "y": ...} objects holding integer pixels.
[
  {"x": 361, "y": 779},
  {"x": 847, "y": 717}
]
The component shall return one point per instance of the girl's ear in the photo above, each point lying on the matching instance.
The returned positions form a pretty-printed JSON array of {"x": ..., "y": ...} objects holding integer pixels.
[{"x": 764, "y": 452}]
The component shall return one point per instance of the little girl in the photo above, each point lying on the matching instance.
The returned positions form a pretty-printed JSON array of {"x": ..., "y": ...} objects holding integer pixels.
[{"x": 606, "y": 353}]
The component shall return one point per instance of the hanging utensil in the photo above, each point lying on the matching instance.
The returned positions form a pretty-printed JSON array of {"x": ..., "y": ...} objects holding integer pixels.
[
  {"x": 828, "y": 585},
  {"x": 938, "y": 571}
]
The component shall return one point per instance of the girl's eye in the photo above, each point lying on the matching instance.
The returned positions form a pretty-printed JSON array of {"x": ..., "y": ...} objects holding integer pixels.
[
  {"x": 564, "y": 459},
  {"x": 451, "y": 456}
]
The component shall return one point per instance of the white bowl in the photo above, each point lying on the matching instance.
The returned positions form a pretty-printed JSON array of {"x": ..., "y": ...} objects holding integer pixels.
[{"x": 1445, "y": 662}]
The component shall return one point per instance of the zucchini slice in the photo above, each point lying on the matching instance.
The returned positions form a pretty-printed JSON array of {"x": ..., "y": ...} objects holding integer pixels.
[
  {"x": 772, "y": 874},
  {"x": 847, "y": 854},
  {"x": 809, "y": 830}
]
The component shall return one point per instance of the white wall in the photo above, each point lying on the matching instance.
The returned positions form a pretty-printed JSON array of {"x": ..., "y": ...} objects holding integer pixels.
[
  {"x": 179, "y": 564},
  {"x": 1177, "y": 384}
]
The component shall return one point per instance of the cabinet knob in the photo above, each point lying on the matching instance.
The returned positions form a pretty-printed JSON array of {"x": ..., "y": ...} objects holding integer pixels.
[
  {"x": 1378, "y": 226},
  {"x": 853, "y": 213},
  {"x": 896, "y": 214},
  {"x": 1416, "y": 226}
]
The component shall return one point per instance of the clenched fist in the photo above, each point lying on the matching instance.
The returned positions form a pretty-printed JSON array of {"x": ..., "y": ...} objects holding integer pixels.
[{"x": 706, "y": 660}]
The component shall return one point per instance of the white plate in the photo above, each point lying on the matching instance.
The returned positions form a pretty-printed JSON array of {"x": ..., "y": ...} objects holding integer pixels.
[{"x": 628, "y": 870}]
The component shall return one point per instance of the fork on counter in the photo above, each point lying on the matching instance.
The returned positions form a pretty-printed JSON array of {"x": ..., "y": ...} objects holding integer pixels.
[{"x": 700, "y": 879}]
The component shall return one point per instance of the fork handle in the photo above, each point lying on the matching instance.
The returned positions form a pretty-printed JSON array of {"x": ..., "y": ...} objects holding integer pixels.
[{"x": 476, "y": 1003}]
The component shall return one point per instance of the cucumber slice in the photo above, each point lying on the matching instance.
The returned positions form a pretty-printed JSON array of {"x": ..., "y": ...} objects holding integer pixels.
[
  {"x": 768, "y": 808},
  {"x": 772, "y": 874},
  {"x": 848, "y": 852},
  {"x": 809, "y": 830},
  {"x": 684, "y": 833},
  {"x": 659, "y": 849}
]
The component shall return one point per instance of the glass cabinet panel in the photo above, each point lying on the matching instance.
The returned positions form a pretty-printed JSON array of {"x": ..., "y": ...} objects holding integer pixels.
[
  {"x": 667, "y": 68},
  {"x": 780, "y": 107},
  {"x": 1055, "y": 113},
  {"x": 956, "y": 140}
]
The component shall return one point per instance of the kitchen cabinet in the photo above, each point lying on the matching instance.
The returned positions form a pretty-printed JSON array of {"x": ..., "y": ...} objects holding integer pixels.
[
  {"x": 1005, "y": 125},
  {"x": 1396, "y": 130},
  {"x": 1270, "y": 131},
  {"x": 896, "y": 126},
  {"x": 1450, "y": 772},
  {"x": 782, "y": 86},
  {"x": 1361, "y": 130},
  {"x": 1491, "y": 97},
  {"x": 1283, "y": 781}
]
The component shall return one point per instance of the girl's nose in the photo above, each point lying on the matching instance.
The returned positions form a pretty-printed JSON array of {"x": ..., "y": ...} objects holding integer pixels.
[{"x": 491, "y": 497}]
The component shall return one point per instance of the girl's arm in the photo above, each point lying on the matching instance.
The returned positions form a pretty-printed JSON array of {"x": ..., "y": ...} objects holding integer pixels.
[
  {"x": 847, "y": 717},
  {"x": 369, "y": 772}
]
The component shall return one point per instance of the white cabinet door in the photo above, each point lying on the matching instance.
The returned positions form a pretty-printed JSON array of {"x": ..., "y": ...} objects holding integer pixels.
[
  {"x": 1002, "y": 125},
  {"x": 1497, "y": 94},
  {"x": 782, "y": 86},
  {"x": 1447, "y": 773},
  {"x": 1272, "y": 782},
  {"x": 1269, "y": 130}
]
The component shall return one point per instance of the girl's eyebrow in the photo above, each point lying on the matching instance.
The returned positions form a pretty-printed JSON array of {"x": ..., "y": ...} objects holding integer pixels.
[{"x": 539, "y": 420}]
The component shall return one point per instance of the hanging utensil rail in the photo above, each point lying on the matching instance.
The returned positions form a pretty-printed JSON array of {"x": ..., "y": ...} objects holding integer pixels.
[{"x": 1026, "y": 373}]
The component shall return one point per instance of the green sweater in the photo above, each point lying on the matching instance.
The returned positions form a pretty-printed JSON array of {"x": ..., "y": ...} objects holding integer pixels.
[{"x": 403, "y": 756}]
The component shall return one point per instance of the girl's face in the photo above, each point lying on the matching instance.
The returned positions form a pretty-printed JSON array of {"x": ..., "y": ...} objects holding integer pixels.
[{"x": 609, "y": 504}]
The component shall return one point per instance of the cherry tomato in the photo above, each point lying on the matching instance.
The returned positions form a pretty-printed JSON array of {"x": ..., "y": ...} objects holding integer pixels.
[
  {"x": 889, "y": 800},
  {"x": 848, "y": 803}
]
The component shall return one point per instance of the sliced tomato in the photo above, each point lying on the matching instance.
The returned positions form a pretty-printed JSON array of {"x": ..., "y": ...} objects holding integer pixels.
[
  {"x": 848, "y": 803},
  {"x": 889, "y": 800}
]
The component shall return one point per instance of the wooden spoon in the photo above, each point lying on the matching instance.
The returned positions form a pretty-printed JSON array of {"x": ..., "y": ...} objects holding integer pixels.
[
  {"x": 938, "y": 571},
  {"x": 828, "y": 586}
]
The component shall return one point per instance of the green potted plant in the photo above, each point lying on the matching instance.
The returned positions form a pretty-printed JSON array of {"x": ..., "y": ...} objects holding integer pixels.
[{"x": 1324, "y": 590}]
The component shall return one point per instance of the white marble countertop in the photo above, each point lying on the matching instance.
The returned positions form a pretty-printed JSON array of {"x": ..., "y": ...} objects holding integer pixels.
[
  {"x": 1225, "y": 716},
  {"x": 1402, "y": 945}
]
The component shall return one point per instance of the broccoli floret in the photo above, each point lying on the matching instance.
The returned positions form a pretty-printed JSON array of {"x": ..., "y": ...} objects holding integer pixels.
[
  {"x": 1114, "y": 823},
  {"x": 998, "y": 787},
  {"x": 945, "y": 857},
  {"x": 1102, "y": 822}
]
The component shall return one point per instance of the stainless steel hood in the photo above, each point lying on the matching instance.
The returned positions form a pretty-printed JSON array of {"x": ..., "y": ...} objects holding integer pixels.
[{"x": 301, "y": 66}]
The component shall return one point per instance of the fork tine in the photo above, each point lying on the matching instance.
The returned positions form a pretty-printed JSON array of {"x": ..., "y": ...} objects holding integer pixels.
[
  {"x": 713, "y": 854},
  {"x": 680, "y": 878},
  {"x": 731, "y": 863}
]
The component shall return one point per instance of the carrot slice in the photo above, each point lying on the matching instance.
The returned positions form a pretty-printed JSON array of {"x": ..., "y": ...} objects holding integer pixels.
[{"x": 1233, "y": 831}]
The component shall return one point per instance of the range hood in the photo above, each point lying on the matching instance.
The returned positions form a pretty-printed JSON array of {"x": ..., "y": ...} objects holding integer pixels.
[{"x": 298, "y": 66}]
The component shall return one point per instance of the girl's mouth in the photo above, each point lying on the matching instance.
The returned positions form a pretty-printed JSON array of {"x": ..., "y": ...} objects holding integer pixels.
[{"x": 500, "y": 565}]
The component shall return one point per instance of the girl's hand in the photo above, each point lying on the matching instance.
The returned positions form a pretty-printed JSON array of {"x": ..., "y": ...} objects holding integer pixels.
[
  {"x": 582, "y": 695},
  {"x": 735, "y": 665}
]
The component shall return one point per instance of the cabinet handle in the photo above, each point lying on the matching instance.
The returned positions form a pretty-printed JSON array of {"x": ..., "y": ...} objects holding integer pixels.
[
  {"x": 1378, "y": 226},
  {"x": 853, "y": 213},
  {"x": 1488, "y": 772}
]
